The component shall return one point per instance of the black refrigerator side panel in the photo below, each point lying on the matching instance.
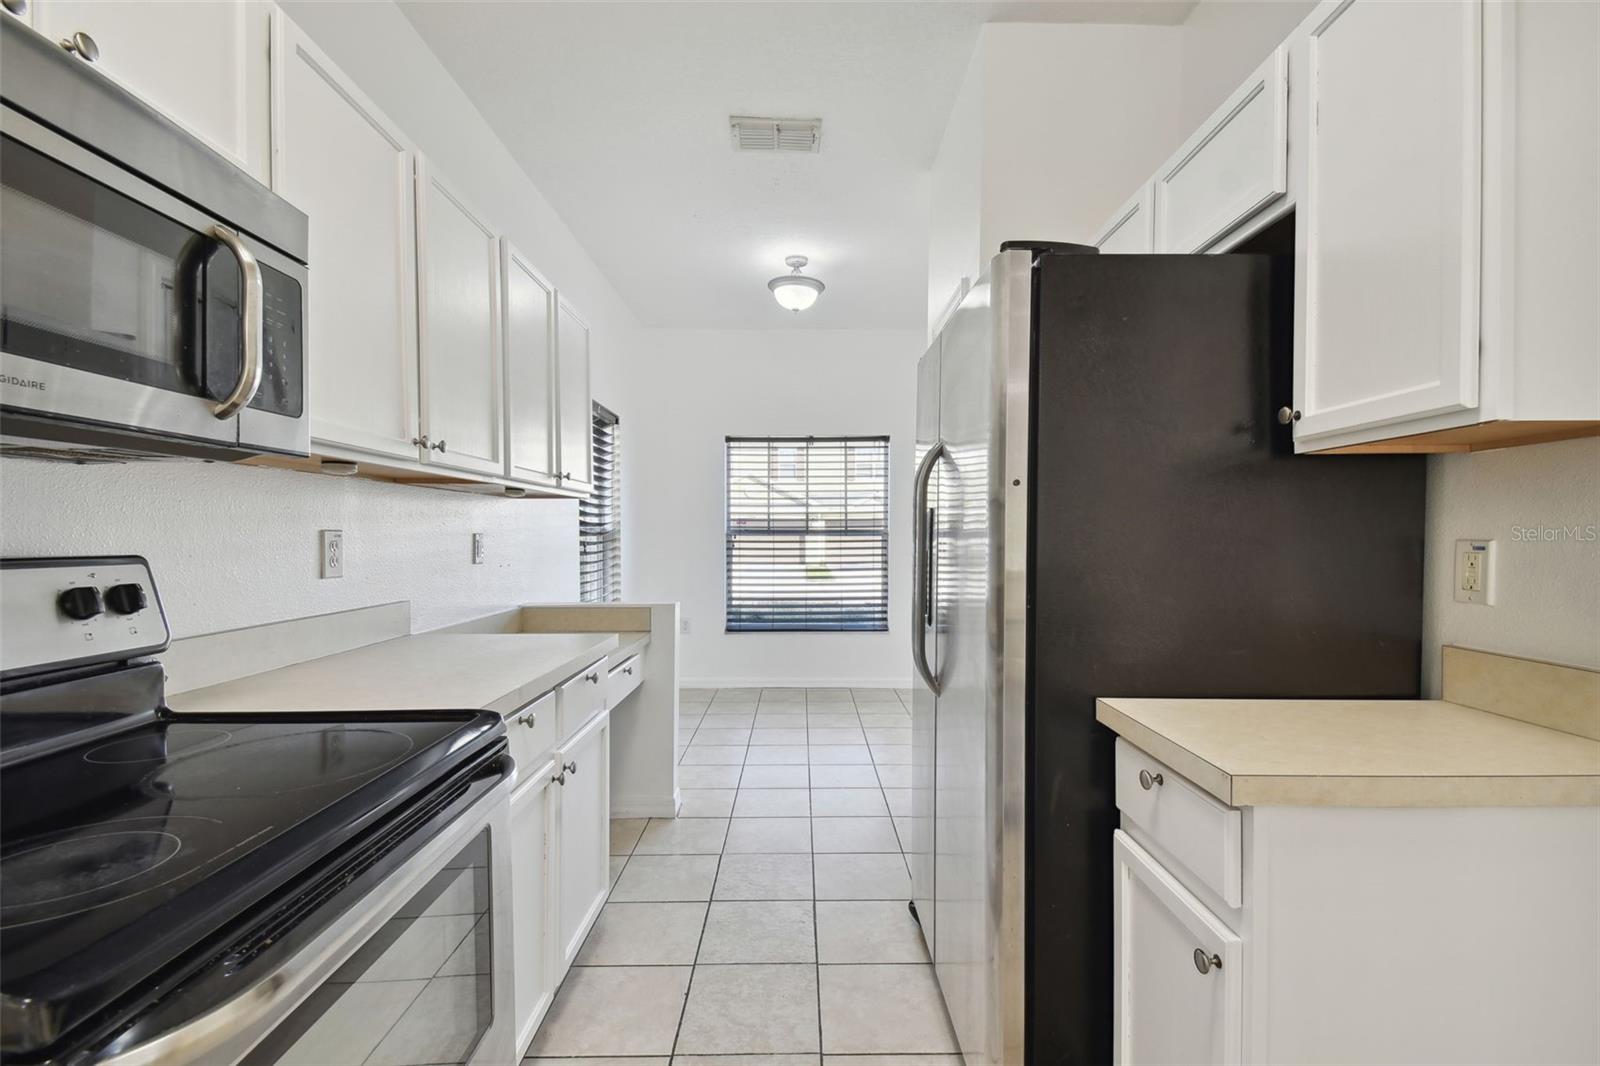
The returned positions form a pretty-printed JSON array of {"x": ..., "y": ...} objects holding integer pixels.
[{"x": 1178, "y": 547}]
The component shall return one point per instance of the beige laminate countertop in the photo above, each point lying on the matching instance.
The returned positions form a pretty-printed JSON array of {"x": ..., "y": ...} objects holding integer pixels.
[
  {"x": 1359, "y": 753},
  {"x": 493, "y": 671}
]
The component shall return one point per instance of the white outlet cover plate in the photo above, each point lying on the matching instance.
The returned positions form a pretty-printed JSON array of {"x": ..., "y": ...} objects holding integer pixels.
[
  {"x": 1474, "y": 572},
  {"x": 332, "y": 541}
]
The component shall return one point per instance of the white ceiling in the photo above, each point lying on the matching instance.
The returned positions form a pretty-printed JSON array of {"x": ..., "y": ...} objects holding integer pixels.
[{"x": 619, "y": 113}]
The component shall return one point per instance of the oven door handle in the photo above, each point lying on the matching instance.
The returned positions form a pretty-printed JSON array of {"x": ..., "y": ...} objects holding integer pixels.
[{"x": 244, "y": 390}]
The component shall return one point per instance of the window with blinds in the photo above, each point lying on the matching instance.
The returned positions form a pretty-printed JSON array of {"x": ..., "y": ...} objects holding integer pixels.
[
  {"x": 807, "y": 534},
  {"x": 600, "y": 518}
]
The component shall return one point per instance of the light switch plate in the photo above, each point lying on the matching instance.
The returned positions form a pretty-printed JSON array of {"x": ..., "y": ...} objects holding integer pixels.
[
  {"x": 332, "y": 552},
  {"x": 1474, "y": 572}
]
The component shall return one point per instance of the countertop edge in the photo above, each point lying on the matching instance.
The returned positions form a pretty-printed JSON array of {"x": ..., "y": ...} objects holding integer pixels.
[{"x": 1214, "y": 780}]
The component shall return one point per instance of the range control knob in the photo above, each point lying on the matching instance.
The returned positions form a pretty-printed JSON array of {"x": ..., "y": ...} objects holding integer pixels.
[
  {"x": 126, "y": 599},
  {"x": 80, "y": 602}
]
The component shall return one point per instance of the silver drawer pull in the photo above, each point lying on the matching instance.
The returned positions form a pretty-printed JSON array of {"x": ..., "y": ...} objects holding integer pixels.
[
  {"x": 1206, "y": 963},
  {"x": 628, "y": 670},
  {"x": 571, "y": 767},
  {"x": 530, "y": 719},
  {"x": 593, "y": 677},
  {"x": 1147, "y": 781},
  {"x": 79, "y": 44}
]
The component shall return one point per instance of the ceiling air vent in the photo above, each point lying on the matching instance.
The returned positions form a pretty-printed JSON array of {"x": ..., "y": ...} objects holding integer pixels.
[{"x": 776, "y": 134}]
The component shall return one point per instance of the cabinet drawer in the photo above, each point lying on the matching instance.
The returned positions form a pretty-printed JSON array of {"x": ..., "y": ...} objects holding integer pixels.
[
  {"x": 531, "y": 733},
  {"x": 579, "y": 698},
  {"x": 1233, "y": 166},
  {"x": 1202, "y": 834},
  {"x": 623, "y": 679}
]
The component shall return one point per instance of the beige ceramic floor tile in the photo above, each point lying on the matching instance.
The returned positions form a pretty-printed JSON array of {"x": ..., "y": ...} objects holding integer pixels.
[
  {"x": 868, "y": 931},
  {"x": 764, "y": 877},
  {"x": 666, "y": 878},
  {"x": 853, "y": 835},
  {"x": 644, "y": 934},
  {"x": 765, "y": 931},
  {"x": 747, "y": 836},
  {"x": 840, "y": 755},
  {"x": 772, "y": 803},
  {"x": 883, "y": 1009},
  {"x": 750, "y": 1009},
  {"x": 625, "y": 834},
  {"x": 706, "y": 802},
  {"x": 614, "y": 1010},
  {"x": 708, "y": 777},
  {"x": 860, "y": 877},
  {"x": 849, "y": 776},
  {"x": 683, "y": 836},
  {"x": 847, "y": 802},
  {"x": 778, "y": 755},
  {"x": 774, "y": 777}
]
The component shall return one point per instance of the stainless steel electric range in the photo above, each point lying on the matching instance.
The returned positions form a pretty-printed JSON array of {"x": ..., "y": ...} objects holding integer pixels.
[{"x": 265, "y": 888}]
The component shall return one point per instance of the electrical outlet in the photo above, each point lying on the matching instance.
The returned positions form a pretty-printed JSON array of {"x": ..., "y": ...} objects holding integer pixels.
[
  {"x": 477, "y": 549},
  {"x": 683, "y": 625},
  {"x": 1475, "y": 571},
  {"x": 332, "y": 553}
]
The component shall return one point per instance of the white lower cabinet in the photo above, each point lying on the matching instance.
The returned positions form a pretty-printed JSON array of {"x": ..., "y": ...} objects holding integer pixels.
[
  {"x": 1179, "y": 988},
  {"x": 583, "y": 820},
  {"x": 533, "y": 968}
]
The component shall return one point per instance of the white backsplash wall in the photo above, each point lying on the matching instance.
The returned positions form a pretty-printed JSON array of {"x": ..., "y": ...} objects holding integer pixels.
[
  {"x": 235, "y": 546},
  {"x": 1541, "y": 506}
]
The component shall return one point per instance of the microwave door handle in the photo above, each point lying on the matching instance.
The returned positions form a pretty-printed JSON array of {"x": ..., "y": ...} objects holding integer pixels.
[
  {"x": 920, "y": 593},
  {"x": 244, "y": 390}
]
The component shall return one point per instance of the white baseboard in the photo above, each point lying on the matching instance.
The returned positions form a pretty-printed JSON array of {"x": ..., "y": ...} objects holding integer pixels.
[
  {"x": 646, "y": 805},
  {"x": 790, "y": 682}
]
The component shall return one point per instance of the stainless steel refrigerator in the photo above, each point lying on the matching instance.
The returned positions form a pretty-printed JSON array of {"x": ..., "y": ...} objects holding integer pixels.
[{"x": 1108, "y": 505}]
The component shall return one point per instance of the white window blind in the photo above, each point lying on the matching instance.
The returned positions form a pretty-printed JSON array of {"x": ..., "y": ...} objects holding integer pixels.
[
  {"x": 807, "y": 534},
  {"x": 600, "y": 518}
]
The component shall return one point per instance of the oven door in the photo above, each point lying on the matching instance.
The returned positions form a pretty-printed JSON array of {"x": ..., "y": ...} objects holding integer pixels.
[
  {"x": 417, "y": 972},
  {"x": 125, "y": 307}
]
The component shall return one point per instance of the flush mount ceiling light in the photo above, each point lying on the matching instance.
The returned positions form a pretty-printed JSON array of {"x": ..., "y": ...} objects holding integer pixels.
[{"x": 794, "y": 291}]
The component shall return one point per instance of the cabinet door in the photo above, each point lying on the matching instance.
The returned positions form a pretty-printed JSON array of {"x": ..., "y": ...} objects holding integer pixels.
[
  {"x": 583, "y": 812},
  {"x": 1235, "y": 164},
  {"x": 1174, "y": 1002},
  {"x": 1131, "y": 230},
  {"x": 532, "y": 826},
  {"x": 204, "y": 65},
  {"x": 459, "y": 319},
  {"x": 1388, "y": 224},
  {"x": 530, "y": 370},
  {"x": 575, "y": 411},
  {"x": 337, "y": 158}
]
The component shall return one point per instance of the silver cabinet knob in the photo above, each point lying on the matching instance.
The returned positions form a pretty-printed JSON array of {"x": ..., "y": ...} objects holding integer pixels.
[
  {"x": 1288, "y": 416},
  {"x": 438, "y": 447},
  {"x": 18, "y": 8},
  {"x": 530, "y": 719},
  {"x": 593, "y": 677},
  {"x": 80, "y": 43},
  {"x": 570, "y": 768},
  {"x": 1206, "y": 963},
  {"x": 1148, "y": 780},
  {"x": 422, "y": 440},
  {"x": 628, "y": 670}
]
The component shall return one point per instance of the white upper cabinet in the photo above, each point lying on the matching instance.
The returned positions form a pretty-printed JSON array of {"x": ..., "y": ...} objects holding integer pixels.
[
  {"x": 459, "y": 321},
  {"x": 1131, "y": 230},
  {"x": 204, "y": 65},
  {"x": 1179, "y": 992},
  {"x": 1233, "y": 165},
  {"x": 574, "y": 408},
  {"x": 337, "y": 158},
  {"x": 530, "y": 369},
  {"x": 1388, "y": 217}
]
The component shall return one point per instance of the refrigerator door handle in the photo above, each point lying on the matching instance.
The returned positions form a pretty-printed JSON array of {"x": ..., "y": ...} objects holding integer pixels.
[{"x": 921, "y": 593}]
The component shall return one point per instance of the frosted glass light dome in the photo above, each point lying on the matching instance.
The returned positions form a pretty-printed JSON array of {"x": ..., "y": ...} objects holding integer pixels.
[{"x": 794, "y": 291}]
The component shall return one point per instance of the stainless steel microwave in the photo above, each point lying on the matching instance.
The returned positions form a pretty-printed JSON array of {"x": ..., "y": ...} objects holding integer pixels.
[{"x": 152, "y": 294}]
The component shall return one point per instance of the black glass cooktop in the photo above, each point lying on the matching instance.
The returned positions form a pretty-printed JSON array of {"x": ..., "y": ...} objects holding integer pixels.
[{"x": 125, "y": 851}]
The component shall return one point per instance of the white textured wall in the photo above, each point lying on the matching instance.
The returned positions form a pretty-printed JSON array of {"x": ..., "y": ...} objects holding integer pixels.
[
  {"x": 235, "y": 546},
  {"x": 1548, "y": 587},
  {"x": 955, "y": 196},
  {"x": 1075, "y": 116},
  {"x": 1223, "y": 41},
  {"x": 705, "y": 385}
]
